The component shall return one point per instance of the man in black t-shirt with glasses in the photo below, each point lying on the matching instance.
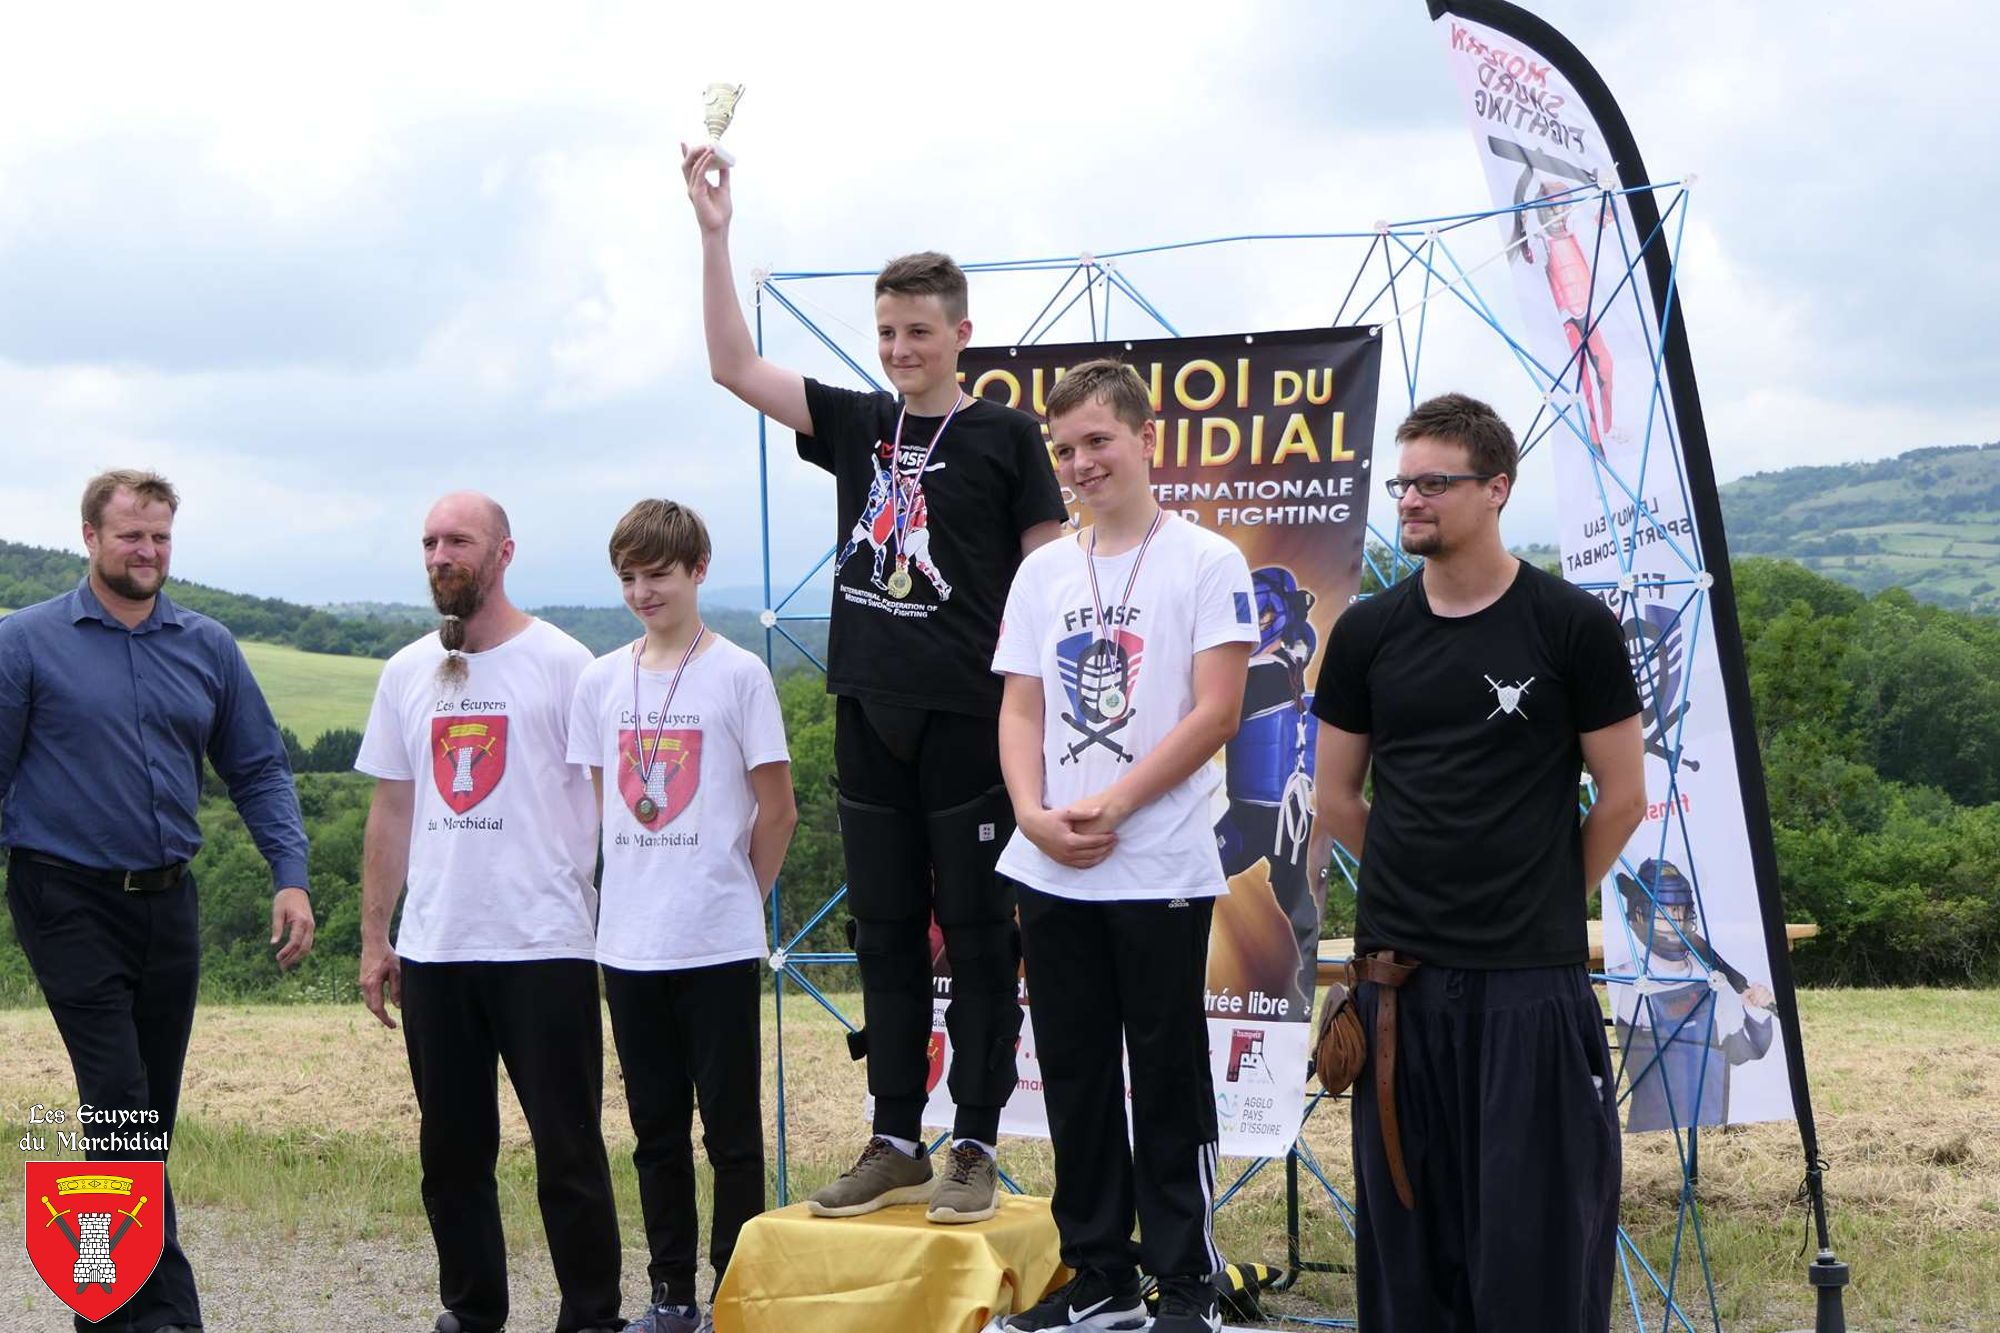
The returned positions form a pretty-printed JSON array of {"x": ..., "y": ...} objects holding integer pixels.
[
  {"x": 939, "y": 496},
  {"x": 1487, "y": 1181}
]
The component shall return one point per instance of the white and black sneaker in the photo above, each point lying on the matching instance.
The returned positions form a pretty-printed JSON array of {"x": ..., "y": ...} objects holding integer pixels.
[
  {"x": 1090, "y": 1300},
  {"x": 1188, "y": 1305}
]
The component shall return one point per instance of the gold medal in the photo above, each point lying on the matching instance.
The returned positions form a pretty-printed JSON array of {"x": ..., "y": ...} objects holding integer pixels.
[
  {"x": 900, "y": 583},
  {"x": 645, "y": 809}
]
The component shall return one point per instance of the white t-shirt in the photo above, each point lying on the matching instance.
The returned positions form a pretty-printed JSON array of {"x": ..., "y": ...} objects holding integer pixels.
[
  {"x": 679, "y": 890},
  {"x": 502, "y": 836},
  {"x": 1193, "y": 592}
]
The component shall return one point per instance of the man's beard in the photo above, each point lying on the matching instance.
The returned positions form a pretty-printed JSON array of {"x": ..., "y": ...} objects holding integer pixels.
[
  {"x": 457, "y": 591},
  {"x": 1426, "y": 540},
  {"x": 458, "y": 594},
  {"x": 128, "y": 587}
]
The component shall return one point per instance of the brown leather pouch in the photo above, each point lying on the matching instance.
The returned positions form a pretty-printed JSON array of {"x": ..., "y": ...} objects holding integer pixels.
[{"x": 1340, "y": 1050}]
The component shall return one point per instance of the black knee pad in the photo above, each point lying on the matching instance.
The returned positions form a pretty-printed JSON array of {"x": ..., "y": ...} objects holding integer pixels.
[
  {"x": 984, "y": 1017},
  {"x": 965, "y": 842},
  {"x": 894, "y": 956},
  {"x": 888, "y": 861},
  {"x": 985, "y": 958}
]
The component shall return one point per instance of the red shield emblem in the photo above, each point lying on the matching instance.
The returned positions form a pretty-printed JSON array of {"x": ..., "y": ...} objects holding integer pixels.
[
  {"x": 468, "y": 757},
  {"x": 935, "y": 1054},
  {"x": 95, "y": 1230},
  {"x": 673, "y": 773}
]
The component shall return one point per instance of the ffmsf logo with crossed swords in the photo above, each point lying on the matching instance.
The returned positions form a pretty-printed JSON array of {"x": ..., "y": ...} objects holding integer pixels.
[{"x": 1099, "y": 675}]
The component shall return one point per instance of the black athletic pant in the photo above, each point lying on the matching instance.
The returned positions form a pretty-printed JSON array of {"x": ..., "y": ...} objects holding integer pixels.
[
  {"x": 924, "y": 813},
  {"x": 1099, "y": 973},
  {"x": 119, "y": 971},
  {"x": 1509, "y": 1121},
  {"x": 459, "y": 1020},
  {"x": 685, "y": 1035}
]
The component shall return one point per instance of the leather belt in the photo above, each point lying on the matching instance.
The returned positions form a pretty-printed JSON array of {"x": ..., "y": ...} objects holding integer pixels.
[
  {"x": 159, "y": 879},
  {"x": 1388, "y": 970}
]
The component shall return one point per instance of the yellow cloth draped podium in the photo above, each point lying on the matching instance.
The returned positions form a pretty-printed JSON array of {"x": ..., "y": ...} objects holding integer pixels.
[{"x": 887, "y": 1272}]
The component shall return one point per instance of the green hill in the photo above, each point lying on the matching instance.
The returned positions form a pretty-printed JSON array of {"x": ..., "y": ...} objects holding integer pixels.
[
  {"x": 1927, "y": 521},
  {"x": 318, "y": 669},
  {"x": 30, "y": 574},
  {"x": 313, "y": 692}
]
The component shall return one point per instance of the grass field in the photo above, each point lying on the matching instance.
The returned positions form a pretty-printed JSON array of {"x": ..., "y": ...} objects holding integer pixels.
[
  {"x": 296, "y": 1171},
  {"x": 313, "y": 692}
]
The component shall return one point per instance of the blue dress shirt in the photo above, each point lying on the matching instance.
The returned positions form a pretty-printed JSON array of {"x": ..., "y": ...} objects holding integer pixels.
[{"x": 103, "y": 729}]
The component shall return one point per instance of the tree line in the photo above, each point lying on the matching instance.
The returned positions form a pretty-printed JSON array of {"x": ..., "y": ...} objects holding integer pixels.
[
  {"x": 30, "y": 574},
  {"x": 1878, "y": 717}
]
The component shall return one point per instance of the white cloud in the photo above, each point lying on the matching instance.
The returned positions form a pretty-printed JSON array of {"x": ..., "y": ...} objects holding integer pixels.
[{"x": 323, "y": 263}]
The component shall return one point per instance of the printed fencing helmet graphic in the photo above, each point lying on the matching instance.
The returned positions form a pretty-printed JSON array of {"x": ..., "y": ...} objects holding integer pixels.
[{"x": 1100, "y": 674}]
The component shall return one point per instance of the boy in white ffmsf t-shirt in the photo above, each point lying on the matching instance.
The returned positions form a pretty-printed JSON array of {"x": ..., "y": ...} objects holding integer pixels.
[
  {"x": 1125, "y": 650},
  {"x": 682, "y": 733}
]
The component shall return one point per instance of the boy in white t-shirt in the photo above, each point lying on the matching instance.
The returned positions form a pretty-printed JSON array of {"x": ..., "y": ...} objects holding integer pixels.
[
  {"x": 682, "y": 734},
  {"x": 1125, "y": 651}
]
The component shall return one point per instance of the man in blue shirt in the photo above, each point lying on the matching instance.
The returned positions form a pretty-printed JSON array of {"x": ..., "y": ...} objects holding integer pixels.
[{"x": 110, "y": 697}]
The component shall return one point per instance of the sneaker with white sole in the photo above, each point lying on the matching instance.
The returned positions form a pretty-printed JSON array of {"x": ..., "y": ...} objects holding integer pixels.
[
  {"x": 665, "y": 1316},
  {"x": 884, "y": 1175},
  {"x": 969, "y": 1190},
  {"x": 1188, "y": 1305},
  {"x": 1090, "y": 1300}
]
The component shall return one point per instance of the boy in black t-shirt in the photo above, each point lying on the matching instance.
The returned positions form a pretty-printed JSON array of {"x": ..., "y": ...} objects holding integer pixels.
[
  {"x": 1487, "y": 1185},
  {"x": 939, "y": 495}
]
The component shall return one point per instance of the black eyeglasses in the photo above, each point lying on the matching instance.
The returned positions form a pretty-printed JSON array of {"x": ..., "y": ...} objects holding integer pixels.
[{"x": 1432, "y": 483}]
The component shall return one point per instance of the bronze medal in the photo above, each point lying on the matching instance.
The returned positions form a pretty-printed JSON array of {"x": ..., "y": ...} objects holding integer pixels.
[{"x": 646, "y": 756}]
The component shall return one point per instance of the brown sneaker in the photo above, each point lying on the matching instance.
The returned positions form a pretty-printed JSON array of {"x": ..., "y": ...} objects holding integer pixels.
[
  {"x": 884, "y": 1175},
  {"x": 969, "y": 1191}
]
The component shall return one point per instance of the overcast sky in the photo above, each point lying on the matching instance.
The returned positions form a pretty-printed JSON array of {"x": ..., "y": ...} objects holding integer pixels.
[{"x": 321, "y": 263}]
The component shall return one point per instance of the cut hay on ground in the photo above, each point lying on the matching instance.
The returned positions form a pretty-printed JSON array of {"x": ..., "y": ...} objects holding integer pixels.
[{"x": 296, "y": 1169}]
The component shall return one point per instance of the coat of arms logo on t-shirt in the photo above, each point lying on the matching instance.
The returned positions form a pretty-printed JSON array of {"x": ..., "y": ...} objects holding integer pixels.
[
  {"x": 672, "y": 776},
  {"x": 468, "y": 757},
  {"x": 1099, "y": 674}
]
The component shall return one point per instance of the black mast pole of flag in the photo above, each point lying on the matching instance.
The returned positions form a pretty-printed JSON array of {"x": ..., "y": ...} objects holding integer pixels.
[{"x": 1826, "y": 1274}]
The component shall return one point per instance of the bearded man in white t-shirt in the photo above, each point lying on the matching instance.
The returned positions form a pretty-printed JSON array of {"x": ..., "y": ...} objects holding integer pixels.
[{"x": 495, "y": 833}]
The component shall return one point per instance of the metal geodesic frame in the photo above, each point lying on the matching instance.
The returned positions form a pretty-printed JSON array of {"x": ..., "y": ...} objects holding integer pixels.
[{"x": 1407, "y": 275}]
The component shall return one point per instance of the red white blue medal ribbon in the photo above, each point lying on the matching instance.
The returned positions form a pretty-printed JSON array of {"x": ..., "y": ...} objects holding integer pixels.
[
  {"x": 1112, "y": 701},
  {"x": 648, "y": 757},
  {"x": 898, "y": 517}
]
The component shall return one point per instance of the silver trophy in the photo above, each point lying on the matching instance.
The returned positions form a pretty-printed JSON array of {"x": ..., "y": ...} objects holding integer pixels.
[{"x": 718, "y": 108}]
